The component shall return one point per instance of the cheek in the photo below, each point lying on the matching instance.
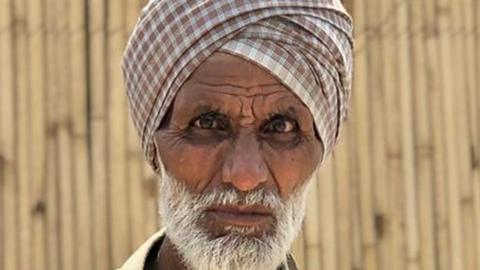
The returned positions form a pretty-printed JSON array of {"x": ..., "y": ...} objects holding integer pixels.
[
  {"x": 292, "y": 167},
  {"x": 194, "y": 165}
]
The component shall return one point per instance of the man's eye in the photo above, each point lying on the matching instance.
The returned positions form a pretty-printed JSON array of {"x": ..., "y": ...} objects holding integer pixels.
[
  {"x": 280, "y": 125},
  {"x": 210, "y": 121},
  {"x": 206, "y": 123}
]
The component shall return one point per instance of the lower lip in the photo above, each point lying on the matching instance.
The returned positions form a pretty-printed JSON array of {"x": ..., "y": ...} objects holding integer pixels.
[{"x": 240, "y": 219}]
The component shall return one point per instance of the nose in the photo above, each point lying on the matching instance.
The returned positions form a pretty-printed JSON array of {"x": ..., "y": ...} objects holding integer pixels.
[{"x": 245, "y": 167}]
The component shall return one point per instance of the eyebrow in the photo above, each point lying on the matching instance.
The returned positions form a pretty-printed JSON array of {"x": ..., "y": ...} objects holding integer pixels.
[
  {"x": 289, "y": 112},
  {"x": 205, "y": 108}
]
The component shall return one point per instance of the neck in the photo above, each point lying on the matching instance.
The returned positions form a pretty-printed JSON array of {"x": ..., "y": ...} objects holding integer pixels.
[{"x": 168, "y": 257}]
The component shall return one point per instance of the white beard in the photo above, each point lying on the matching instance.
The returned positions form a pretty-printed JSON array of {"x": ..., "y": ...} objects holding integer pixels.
[{"x": 181, "y": 213}]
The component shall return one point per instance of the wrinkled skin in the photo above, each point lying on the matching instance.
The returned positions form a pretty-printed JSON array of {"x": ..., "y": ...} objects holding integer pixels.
[{"x": 234, "y": 124}]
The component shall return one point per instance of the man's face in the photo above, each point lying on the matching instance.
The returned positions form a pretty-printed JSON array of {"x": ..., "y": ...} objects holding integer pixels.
[{"x": 234, "y": 129}]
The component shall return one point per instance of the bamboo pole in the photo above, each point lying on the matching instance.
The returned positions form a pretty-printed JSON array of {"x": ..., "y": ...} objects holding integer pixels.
[
  {"x": 2, "y": 164},
  {"x": 474, "y": 98},
  {"x": 362, "y": 127},
  {"x": 314, "y": 255},
  {"x": 432, "y": 52},
  {"x": 4, "y": 31},
  {"x": 346, "y": 244},
  {"x": 344, "y": 201},
  {"x": 37, "y": 152},
  {"x": 423, "y": 138},
  {"x": 357, "y": 252},
  {"x": 98, "y": 122},
  {"x": 394, "y": 231},
  {"x": 408, "y": 162},
  {"x": 117, "y": 137},
  {"x": 446, "y": 28},
  {"x": 360, "y": 75},
  {"x": 52, "y": 174},
  {"x": 8, "y": 138},
  {"x": 375, "y": 95},
  {"x": 64, "y": 77},
  {"x": 463, "y": 57},
  {"x": 81, "y": 169},
  {"x": 53, "y": 220},
  {"x": 327, "y": 216},
  {"x": 22, "y": 130}
]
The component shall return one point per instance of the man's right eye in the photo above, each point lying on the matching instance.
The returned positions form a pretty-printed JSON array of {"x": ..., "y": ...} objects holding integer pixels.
[
  {"x": 206, "y": 123},
  {"x": 212, "y": 120}
]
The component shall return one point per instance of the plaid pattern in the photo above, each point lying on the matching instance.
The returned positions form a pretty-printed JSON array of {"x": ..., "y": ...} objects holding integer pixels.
[{"x": 306, "y": 44}]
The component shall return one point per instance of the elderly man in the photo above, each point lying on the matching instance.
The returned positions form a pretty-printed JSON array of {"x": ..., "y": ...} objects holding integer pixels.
[{"x": 237, "y": 103}]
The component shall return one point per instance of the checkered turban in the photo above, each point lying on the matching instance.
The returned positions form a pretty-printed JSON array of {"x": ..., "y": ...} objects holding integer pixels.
[{"x": 306, "y": 45}]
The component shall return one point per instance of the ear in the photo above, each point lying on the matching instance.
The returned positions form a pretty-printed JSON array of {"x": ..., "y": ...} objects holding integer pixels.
[
  {"x": 165, "y": 123},
  {"x": 157, "y": 161}
]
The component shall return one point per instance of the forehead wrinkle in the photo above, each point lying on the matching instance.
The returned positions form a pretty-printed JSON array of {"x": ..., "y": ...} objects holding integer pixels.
[
  {"x": 213, "y": 85},
  {"x": 246, "y": 95},
  {"x": 247, "y": 117},
  {"x": 233, "y": 85},
  {"x": 247, "y": 107}
]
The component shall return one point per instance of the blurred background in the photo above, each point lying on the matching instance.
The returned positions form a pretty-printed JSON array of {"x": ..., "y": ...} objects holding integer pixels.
[{"x": 402, "y": 190}]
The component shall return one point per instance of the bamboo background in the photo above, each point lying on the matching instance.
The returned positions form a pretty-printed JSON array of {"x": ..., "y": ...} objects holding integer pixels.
[{"x": 402, "y": 190}]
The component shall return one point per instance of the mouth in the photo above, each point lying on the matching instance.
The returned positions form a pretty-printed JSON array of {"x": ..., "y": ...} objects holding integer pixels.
[{"x": 241, "y": 215}]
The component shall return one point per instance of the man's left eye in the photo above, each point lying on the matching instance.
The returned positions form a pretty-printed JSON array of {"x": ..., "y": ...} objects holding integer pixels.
[{"x": 280, "y": 125}]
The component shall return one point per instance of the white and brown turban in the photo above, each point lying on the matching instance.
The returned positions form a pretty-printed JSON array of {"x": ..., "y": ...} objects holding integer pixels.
[{"x": 305, "y": 44}]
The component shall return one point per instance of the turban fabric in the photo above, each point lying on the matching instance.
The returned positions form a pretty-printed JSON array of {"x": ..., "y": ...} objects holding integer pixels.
[{"x": 306, "y": 45}]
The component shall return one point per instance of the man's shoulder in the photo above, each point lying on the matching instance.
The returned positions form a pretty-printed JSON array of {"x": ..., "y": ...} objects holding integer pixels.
[{"x": 138, "y": 258}]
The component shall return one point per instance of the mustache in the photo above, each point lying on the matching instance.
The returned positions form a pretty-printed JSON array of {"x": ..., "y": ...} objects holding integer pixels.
[{"x": 230, "y": 196}]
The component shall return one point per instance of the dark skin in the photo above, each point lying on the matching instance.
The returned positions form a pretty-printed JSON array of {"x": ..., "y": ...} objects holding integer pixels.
[{"x": 235, "y": 125}]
